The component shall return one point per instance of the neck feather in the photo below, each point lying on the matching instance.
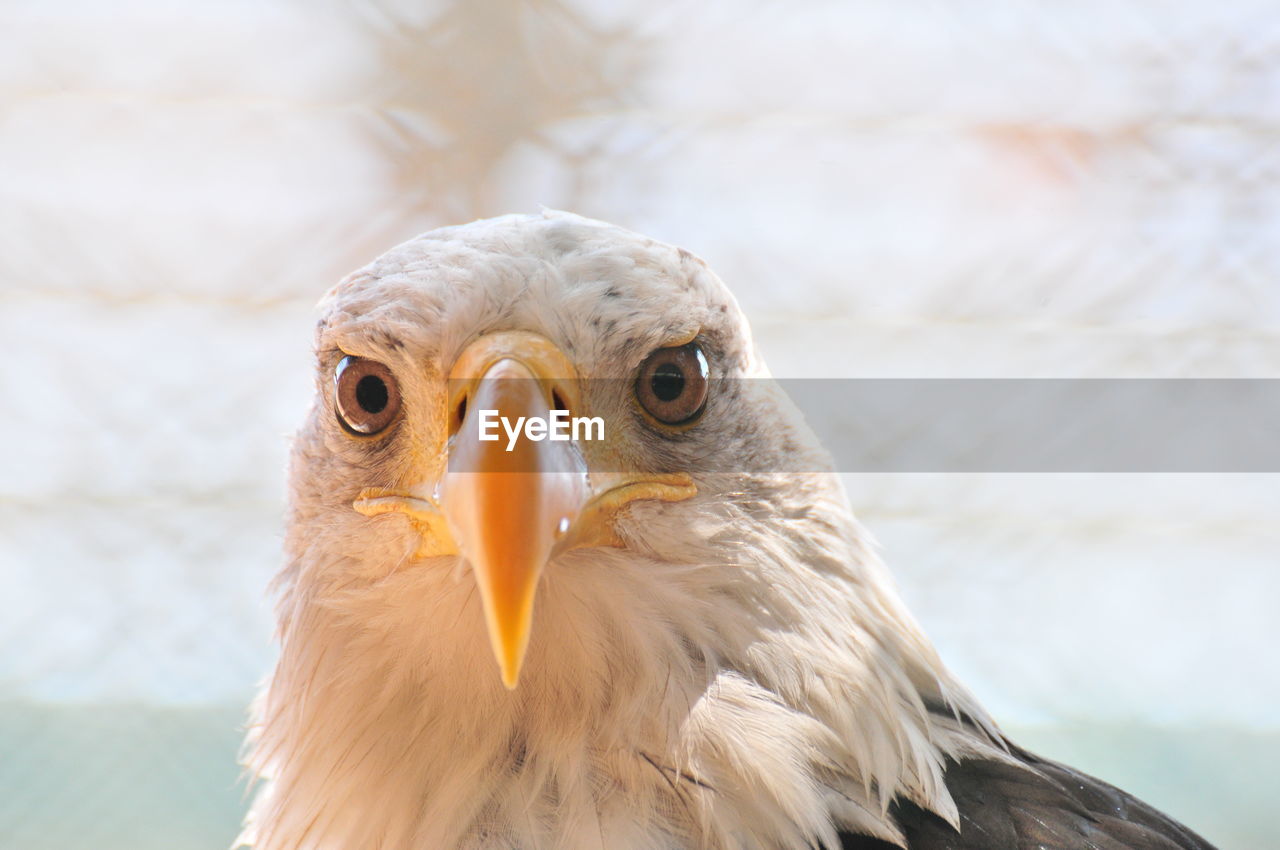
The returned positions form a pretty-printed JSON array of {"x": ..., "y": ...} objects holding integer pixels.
[{"x": 667, "y": 701}]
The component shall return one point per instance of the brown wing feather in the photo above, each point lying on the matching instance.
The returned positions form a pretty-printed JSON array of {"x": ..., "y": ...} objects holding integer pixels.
[{"x": 1047, "y": 807}]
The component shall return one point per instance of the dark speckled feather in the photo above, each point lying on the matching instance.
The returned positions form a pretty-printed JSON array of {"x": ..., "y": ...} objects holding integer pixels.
[{"x": 1041, "y": 805}]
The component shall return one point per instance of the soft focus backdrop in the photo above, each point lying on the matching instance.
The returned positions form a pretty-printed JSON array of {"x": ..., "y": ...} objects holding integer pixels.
[{"x": 981, "y": 189}]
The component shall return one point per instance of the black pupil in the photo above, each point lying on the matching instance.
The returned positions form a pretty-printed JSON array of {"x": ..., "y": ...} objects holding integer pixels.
[
  {"x": 371, "y": 394},
  {"x": 667, "y": 382}
]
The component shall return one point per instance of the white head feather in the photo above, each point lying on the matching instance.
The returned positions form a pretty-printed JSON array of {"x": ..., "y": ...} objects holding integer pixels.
[{"x": 741, "y": 675}]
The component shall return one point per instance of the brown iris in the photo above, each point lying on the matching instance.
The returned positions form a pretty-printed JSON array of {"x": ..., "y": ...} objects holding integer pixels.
[
  {"x": 368, "y": 395},
  {"x": 672, "y": 384}
]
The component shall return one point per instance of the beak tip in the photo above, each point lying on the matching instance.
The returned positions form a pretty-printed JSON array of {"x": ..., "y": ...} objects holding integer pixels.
[
  {"x": 511, "y": 660},
  {"x": 510, "y": 667}
]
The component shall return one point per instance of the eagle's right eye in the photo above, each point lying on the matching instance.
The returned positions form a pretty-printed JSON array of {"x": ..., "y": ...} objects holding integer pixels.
[{"x": 368, "y": 396}]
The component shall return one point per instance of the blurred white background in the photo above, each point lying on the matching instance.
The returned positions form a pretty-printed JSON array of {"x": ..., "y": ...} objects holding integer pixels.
[{"x": 984, "y": 189}]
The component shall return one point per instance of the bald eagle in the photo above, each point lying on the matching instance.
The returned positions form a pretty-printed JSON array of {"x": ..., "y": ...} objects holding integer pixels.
[{"x": 646, "y": 637}]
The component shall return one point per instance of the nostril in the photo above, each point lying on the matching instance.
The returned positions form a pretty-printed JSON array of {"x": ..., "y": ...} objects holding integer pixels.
[
  {"x": 557, "y": 400},
  {"x": 462, "y": 410}
]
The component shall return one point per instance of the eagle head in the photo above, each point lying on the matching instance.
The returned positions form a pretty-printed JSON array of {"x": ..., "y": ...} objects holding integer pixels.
[{"x": 664, "y": 630}]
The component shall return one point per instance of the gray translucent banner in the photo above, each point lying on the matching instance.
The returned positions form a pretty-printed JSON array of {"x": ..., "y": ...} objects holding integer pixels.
[
  {"x": 1055, "y": 425},
  {"x": 952, "y": 425}
]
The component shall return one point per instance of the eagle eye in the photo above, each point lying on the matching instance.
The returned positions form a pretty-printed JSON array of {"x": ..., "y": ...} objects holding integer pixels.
[
  {"x": 672, "y": 384},
  {"x": 368, "y": 396}
]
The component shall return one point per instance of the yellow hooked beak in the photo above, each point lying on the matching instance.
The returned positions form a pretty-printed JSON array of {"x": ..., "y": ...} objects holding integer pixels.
[{"x": 511, "y": 505}]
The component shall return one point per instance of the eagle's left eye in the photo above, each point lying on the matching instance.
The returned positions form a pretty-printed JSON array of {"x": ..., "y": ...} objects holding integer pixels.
[
  {"x": 672, "y": 384},
  {"x": 368, "y": 395}
]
